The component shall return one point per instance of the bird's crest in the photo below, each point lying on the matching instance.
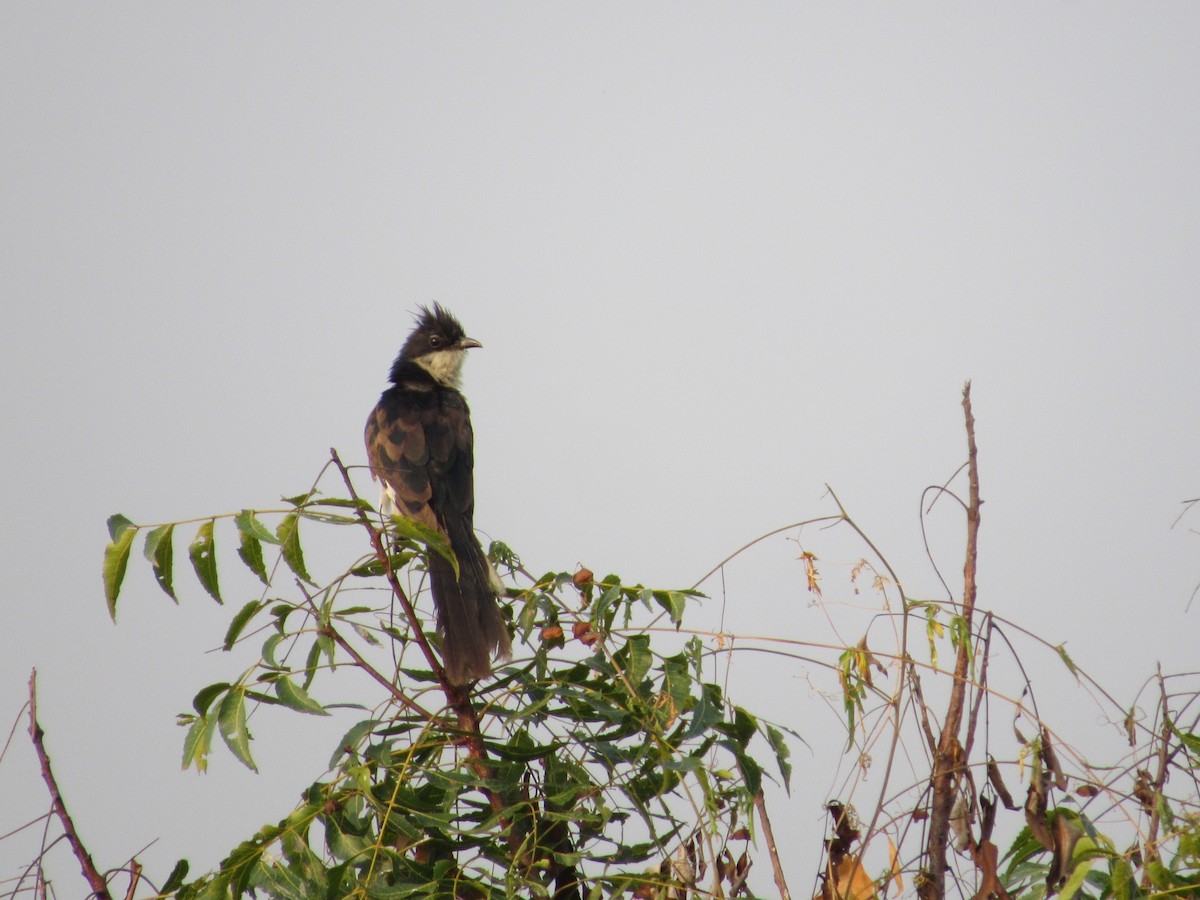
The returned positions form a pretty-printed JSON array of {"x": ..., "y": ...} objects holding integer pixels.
[{"x": 438, "y": 344}]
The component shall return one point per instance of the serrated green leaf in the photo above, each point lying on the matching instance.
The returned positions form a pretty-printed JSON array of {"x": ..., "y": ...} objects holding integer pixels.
[
  {"x": 783, "y": 755},
  {"x": 250, "y": 552},
  {"x": 610, "y": 596},
  {"x": 232, "y": 722},
  {"x": 269, "y": 646},
  {"x": 160, "y": 552},
  {"x": 175, "y": 879},
  {"x": 707, "y": 712},
  {"x": 326, "y": 645},
  {"x": 431, "y": 538},
  {"x": 311, "y": 663},
  {"x": 116, "y": 558},
  {"x": 295, "y": 697},
  {"x": 118, "y": 525},
  {"x": 353, "y": 738},
  {"x": 329, "y": 518},
  {"x": 1075, "y": 882},
  {"x": 203, "y": 554},
  {"x": 205, "y": 696},
  {"x": 742, "y": 728},
  {"x": 1189, "y": 740},
  {"x": 288, "y": 533},
  {"x": 248, "y": 523},
  {"x": 198, "y": 742},
  {"x": 640, "y": 658},
  {"x": 345, "y": 503},
  {"x": 299, "y": 499},
  {"x": 673, "y": 602},
  {"x": 244, "y": 615},
  {"x": 751, "y": 773}
]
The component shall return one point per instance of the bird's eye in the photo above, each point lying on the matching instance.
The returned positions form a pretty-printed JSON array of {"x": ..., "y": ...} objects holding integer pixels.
[{"x": 435, "y": 341}]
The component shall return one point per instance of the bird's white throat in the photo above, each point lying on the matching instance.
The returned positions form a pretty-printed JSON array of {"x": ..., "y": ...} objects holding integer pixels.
[{"x": 444, "y": 365}]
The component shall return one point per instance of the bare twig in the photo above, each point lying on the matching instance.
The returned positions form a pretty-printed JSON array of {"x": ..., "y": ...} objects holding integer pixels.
[
  {"x": 949, "y": 759},
  {"x": 762, "y": 537},
  {"x": 135, "y": 876},
  {"x": 94, "y": 879},
  {"x": 780, "y": 882},
  {"x": 981, "y": 690}
]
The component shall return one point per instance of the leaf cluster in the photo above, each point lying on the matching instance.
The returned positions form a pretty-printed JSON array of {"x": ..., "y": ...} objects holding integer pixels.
[{"x": 587, "y": 765}]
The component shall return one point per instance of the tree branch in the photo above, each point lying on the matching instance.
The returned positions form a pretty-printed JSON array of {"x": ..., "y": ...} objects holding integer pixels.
[
  {"x": 949, "y": 759},
  {"x": 780, "y": 883},
  {"x": 94, "y": 879}
]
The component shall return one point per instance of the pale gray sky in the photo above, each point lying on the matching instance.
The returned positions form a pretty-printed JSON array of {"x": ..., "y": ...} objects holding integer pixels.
[{"x": 718, "y": 255}]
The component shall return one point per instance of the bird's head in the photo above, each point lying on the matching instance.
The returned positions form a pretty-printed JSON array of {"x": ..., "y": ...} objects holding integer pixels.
[{"x": 438, "y": 345}]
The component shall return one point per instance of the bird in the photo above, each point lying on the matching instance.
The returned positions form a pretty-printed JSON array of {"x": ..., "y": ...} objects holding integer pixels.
[{"x": 420, "y": 447}]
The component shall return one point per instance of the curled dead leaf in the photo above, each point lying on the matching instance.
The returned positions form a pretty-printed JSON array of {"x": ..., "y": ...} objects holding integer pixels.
[{"x": 850, "y": 880}]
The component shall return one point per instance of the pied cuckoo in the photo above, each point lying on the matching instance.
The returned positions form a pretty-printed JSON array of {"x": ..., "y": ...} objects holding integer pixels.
[{"x": 421, "y": 448}]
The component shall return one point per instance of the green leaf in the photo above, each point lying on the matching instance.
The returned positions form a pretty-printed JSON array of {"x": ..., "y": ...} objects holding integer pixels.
[
  {"x": 250, "y": 524},
  {"x": 268, "y": 650},
  {"x": 116, "y": 558},
  {"x": 160, "y": 552},
  {"x": 203, "y": 554},
  {"x": 118, "y": 525},
  {"x": 751, "y": 773},
  {"x": 353, "y": 738},
  {"x": 250, "y": 551},
  {"x": 610, "y": 596},
  {"x": 707, "y": 712},
  {"x": 204, "y": 698},
  {"x": 198, "y": 742},
  {"x": 673, "y": 602},
  {"x": 640, "y": 658},
  {"x": 295, "y": 697},
  {"x": 244, "y": 615},
  {"x": 175, "y": 879},
  {"x": 741, "y": 728},
  {"x": 311, "y": 662},
  {"x": 431, "y": 538},
  {"x": 289, "y": 536},
  {"x": 344, "y": 503},
  {"x": 782, "y": 755},
  {"x": 1075, "y": 882},
  {"x": 1189, "y": 740},
  {"x": 232, "y": 722}
]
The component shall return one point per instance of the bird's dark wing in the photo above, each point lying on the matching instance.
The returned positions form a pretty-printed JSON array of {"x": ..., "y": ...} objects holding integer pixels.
[
  {"x": 420, "y": 446},
  {"x": 419, "y": 443}
]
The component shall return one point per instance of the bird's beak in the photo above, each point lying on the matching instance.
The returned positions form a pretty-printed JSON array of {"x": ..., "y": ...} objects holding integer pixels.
[{"x": 467, "y": 343}]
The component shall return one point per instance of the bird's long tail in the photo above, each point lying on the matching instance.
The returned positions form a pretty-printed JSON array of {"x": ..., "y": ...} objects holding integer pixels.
[{"x": 468, "y": 616}]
